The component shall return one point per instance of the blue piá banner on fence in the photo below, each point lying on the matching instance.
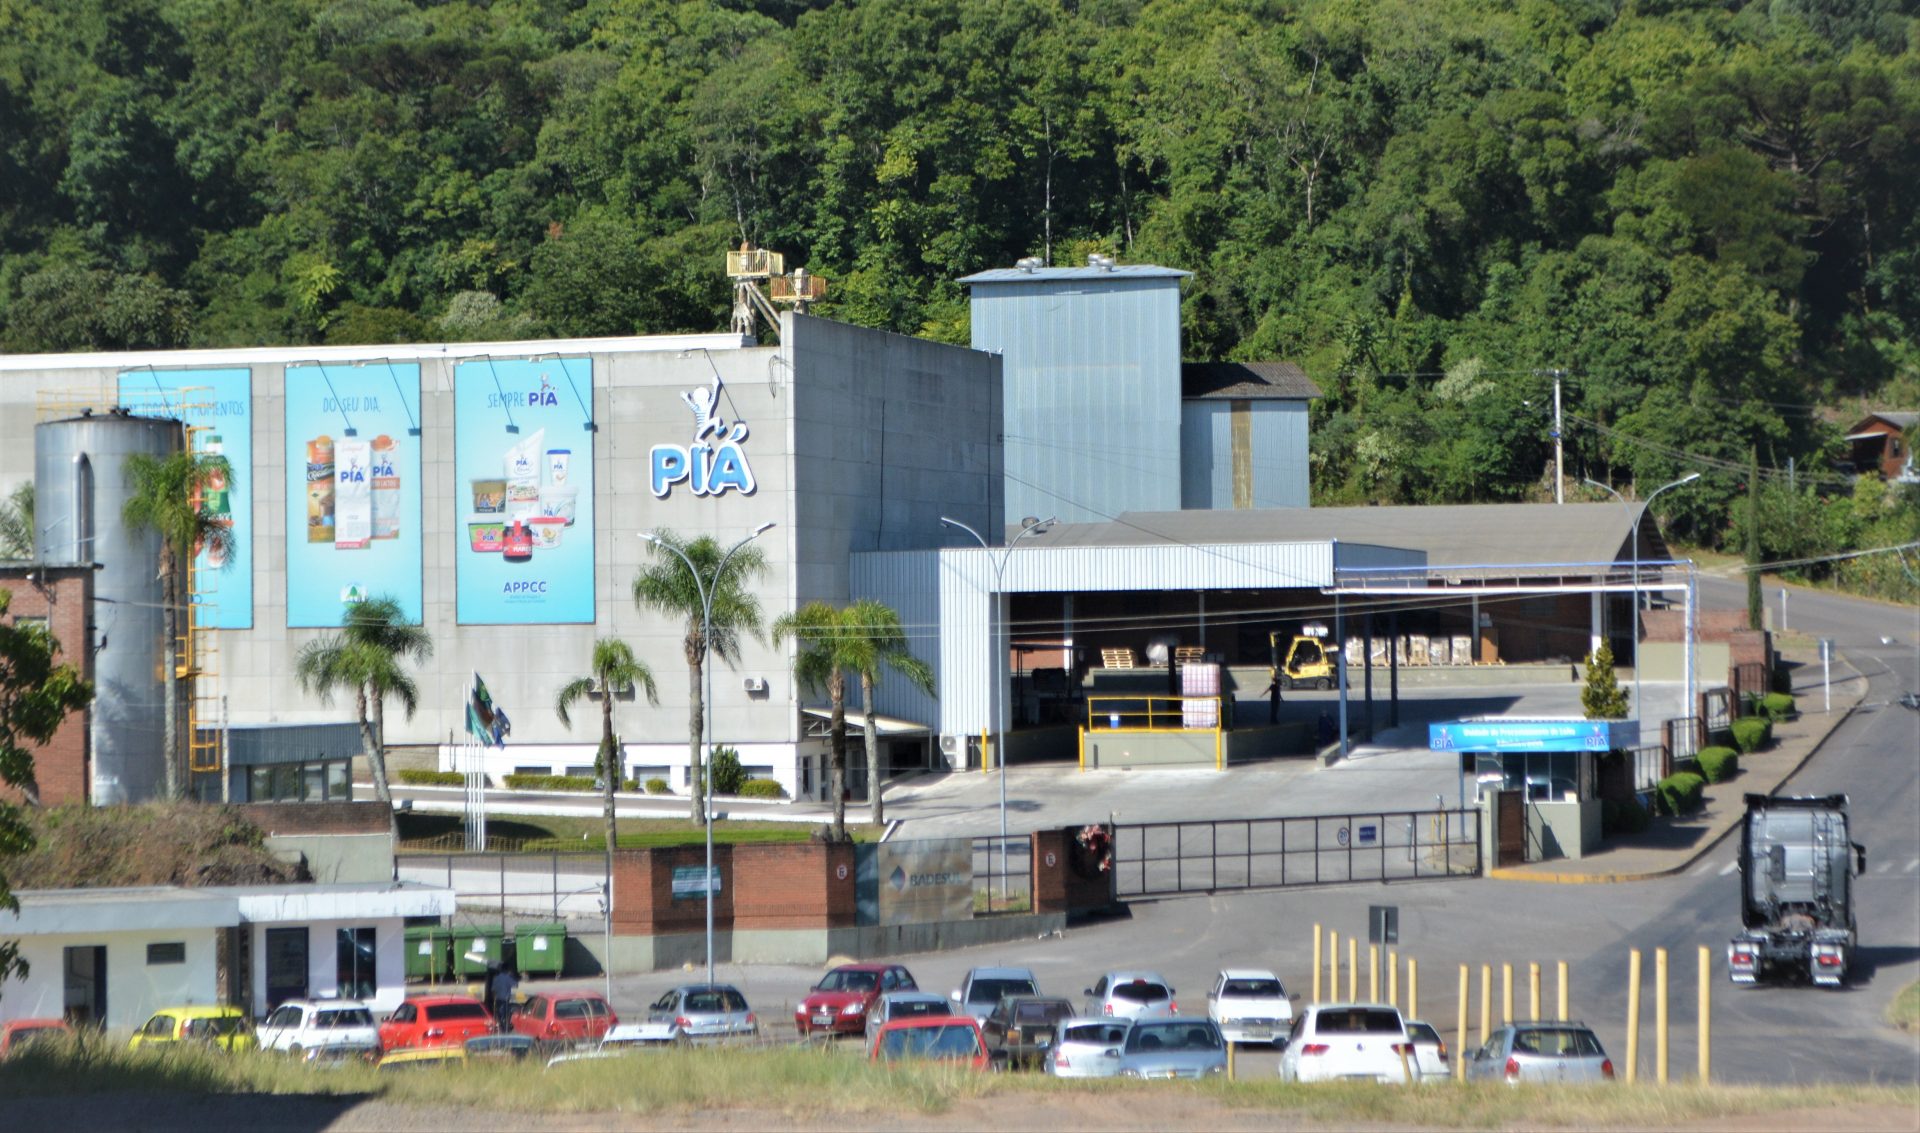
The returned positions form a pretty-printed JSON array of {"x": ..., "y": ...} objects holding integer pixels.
[
  {"x": 523, "y": 489},
  {"x": 217, "y": 405},
  {"x": 353, "y": 489}
]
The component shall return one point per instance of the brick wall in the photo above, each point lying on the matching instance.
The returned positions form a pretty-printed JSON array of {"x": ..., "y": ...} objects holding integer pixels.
[
  {"x": 1067, "y": 877},
  {"x": 1709, "y": 625},
  {"x": 318, "y": 818},
  {"x": 62, "y": 595},
  {"x": 806, "y": 885},
  {"x": 643, "y": 903}
]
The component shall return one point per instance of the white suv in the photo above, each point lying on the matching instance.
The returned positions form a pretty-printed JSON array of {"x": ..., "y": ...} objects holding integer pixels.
[
  {"x": 1249, "y": 1006},
  {"x": 1332, "y": 1042},
  {"x": 305, "y": 1027}
]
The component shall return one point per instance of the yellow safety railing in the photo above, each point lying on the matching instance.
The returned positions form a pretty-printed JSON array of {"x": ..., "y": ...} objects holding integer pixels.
[{"x": 1111, "y": 714}]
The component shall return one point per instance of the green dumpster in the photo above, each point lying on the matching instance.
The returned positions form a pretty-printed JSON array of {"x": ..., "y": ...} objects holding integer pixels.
[
  {"x": 428, "y": 948},
  {"x": 540, "y": 949},
  {"x": 475, "y": 947}
]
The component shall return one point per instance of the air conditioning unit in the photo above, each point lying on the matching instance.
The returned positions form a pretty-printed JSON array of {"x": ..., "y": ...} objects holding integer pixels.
[
  {"x": 755, "y": 684},
  {"x": 950, "y": 744}
]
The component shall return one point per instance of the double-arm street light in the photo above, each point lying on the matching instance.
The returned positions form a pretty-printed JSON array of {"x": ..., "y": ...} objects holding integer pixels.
[
  {"x": 1638, "y": 518},
  {"x": 1000, "y": 730},
  {"x": 706, "y": 589}
]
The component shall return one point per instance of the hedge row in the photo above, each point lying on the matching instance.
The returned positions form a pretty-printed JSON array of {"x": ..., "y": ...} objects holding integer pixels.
[
  {"x": 1680, "y": 793},
  {"x": 762, "y": 789},
  {"x": 657, "y": 786},
  {"x": 1718, "y": 763},
  {"x": 1751, "y": 733},
  {"x": 419, "y": 777}
]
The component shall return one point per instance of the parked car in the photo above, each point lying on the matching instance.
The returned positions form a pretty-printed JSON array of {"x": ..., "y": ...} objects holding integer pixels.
[
  {"x": 983, "y": 989},
  {"x": 838, "y": 1003},
  {"x": 224, "y": 1026},
  {"x": 1249, "y": 1006},
  {"x": 1541, "y": 1052},
  {"x": 1337, "y": 1041},
  {"x": 1429, "y": 1051},
  {"x": 1173, "y": 1048},
  {"x": 704, "y": 1013},
  {"x": 17, "y": 1035},
  {"x": 566, "y": 1018},
  {"x": 948, "y": 1038},
  {"x": 1086, "y": 1047},
  {"x": 301, "y": 1025},
  {"x": 435, "y": 1020},
  {"x": 1132, "y": 995},
  {"x": 419, "y": 1056},
  {"x": 1021, "y": 1028},
  {"x": 500, "y": 1048},
  {"x": 903, "y": 1005}
]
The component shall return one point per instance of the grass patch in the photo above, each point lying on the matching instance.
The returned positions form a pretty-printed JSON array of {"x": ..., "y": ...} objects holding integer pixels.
[
  {"x": 445, "y": 833},
  {"x": 1904, "y": 1011}
]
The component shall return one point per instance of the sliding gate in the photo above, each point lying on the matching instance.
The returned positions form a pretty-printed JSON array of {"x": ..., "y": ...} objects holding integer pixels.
[{"x": 1158, "y": 859}]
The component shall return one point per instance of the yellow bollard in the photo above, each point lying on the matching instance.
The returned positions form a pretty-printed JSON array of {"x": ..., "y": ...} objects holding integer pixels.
[
  {"x": 1533, "y": 992},
  {"x": 1633, "y": 1015},
  {"x": 1660, "y": 1015},
  {"x": 1333, "y": 965},
  {"x": 1229, "y": 1062},
  {"x": 1563, "y": 991},
  {"x": 1506, "y": 994},
  {"x": 1316, "y": 964},
  {"x": 1353, "y": 969},
  {"x": 1460, "y": 1033},
  {"x": 1486, "y": 1003},
  {"x": 1373, "y": 973},
  {"x": 1393, "y": 978},
  {"x": 1413, "y": 988},
  {"x": 1704, "y": 1015}
]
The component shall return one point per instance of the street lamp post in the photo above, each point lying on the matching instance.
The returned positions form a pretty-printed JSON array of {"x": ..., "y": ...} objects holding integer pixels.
[
  {"x": 1638, "y": 518},
  {"x": 1000, "y": 730},
  {"x": 706, "y": 699}
]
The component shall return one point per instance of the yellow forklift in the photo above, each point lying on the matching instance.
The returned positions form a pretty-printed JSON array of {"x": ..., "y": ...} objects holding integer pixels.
[{"x": 1306, "y": 662}]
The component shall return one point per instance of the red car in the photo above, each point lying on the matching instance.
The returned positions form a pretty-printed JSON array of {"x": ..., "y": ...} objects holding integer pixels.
[
  {"x": 939, "y": 1038},
  {"x": 564, "y": 1017},
  {"x": 16, "y": 1035},
  {"x": 435, "y": 1020},
  {"x": 838, "y": 1003}
]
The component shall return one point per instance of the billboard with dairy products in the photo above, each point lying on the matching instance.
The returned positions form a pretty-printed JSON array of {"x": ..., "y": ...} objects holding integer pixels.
[
  {"x": 523, "y": 484},
  {"x": 353, "y": 490},
  {"x": 217, "y": 406}
]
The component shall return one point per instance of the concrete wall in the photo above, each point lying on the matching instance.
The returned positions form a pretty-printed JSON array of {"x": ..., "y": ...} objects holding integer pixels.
[
  {"x": 1667, "y": 661},
  {"x": 1224, "y": 442},
  {"x": 1562, "y": 829},
  {"x": 338, "y": 857},
  {"x": 1149, "y": 749},
  {"x": 135, "y": 989}
]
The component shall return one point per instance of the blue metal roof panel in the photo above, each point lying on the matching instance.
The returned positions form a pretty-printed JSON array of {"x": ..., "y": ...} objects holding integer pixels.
[{"x": 1056, "y": 275}]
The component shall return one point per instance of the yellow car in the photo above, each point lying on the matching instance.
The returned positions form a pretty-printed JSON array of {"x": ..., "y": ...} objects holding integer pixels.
[
  {"x": 226, "y": 1027},
  {"x": 422, "y": 1056}
]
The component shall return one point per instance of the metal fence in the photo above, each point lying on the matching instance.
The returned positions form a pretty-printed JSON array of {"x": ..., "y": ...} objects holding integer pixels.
[
  {"x": 1003, "y": 874},
  {"x": 1163, "y": 858},
  {"x": 1649, "y": 766},
  {"x": 551, "y": 886}
]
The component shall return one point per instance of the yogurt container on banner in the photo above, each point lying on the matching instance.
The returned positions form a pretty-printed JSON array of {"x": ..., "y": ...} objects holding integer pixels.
[
  {"x": 546, "y": 530},
  {"x": 559, "y": 501},
  {"x": 557, "y": 461}
]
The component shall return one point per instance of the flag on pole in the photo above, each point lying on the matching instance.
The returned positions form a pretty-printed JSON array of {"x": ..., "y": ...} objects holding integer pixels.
[{"x": 486, "y": 722}]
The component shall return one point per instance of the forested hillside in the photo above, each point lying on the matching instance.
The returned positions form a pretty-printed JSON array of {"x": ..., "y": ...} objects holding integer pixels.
[{"x": 1703, "y": 213}]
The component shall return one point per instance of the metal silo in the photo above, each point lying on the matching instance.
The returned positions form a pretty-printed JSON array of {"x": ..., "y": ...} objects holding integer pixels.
[{"x": 80, "y": 487}]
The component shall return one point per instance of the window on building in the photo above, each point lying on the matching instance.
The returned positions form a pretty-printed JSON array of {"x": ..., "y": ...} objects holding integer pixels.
[
  {"x": 355, "y": 961},
  {"x": 759, "y": 770},
  {"x": 644, "y": 772},
  {"x": 582, "y": 769},
  {"x": 544, "y": 769},
  {"x": 339, "y": 783},
  {"x": 172, "y": 952}
]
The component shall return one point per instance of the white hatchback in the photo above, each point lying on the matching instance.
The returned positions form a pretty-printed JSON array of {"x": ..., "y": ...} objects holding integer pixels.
[
  {"x": 1249, "y": 1006},
  {"x": 1088, "y": 1047},
  {"x": 1333, "y": 1042},
  {"x": 305, "y": 1026}
]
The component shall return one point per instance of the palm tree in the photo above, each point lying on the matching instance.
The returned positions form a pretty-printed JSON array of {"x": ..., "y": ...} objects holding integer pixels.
[
  {"x": 668, "y": 587},
  {"x": 615, "y": 670},
  {"x": 366, "y": 656},
  {"x": 829, "y": 648},
  {"x": 167, "y": 495},
  {"x": 876, "y": 641},
  {"x": 16, "y": 523}
]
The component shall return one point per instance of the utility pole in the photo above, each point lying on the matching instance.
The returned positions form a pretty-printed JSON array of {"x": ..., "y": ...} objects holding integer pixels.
[{"x": 1559, "y": 452}]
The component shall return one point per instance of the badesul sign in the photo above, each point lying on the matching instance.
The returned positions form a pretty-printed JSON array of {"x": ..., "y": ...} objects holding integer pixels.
[
  {"x": 916, "y": 882},
  {"x": 713, "y": 463}
]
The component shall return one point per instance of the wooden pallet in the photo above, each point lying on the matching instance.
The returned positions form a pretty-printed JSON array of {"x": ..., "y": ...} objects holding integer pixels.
[{"x": 1116, "y": 658}]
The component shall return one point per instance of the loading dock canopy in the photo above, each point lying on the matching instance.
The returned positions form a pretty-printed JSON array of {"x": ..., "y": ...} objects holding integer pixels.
[{"x": 818, "y": 718}]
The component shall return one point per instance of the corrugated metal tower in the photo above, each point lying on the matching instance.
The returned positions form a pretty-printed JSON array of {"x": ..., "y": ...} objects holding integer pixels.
[{"x": 1092, "y": 371}]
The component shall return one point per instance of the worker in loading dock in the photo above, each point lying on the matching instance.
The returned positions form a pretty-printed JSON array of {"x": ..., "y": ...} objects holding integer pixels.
[{"x": 1273, "y": 700}]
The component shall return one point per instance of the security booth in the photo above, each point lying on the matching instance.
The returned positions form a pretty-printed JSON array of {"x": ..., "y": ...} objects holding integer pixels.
[{"x": 1534, "y": 781}]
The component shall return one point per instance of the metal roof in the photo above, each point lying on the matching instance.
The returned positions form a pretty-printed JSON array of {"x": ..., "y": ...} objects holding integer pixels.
[
  {"x": 1897, "y": 420},
  {"x": 1450, "y": 535},
  {"x": 1245, "y": 381},
  {"x": 1059, "y": 275}
]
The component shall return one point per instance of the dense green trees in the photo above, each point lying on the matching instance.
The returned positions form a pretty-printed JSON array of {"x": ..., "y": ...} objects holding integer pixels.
[{"x": 1706, "y": 214}]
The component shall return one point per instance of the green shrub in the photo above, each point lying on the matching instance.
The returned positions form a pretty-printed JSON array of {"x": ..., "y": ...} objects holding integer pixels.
[
  {"x": 657, "y": 786},
  {"x": 629, "y": 785},
  {"x": 761, "y": 789},
  {"x": 1623, "y": 816},
  {"x": 549, "y": 782},
  {"x": 1679, "y": 793},
  {"x": 1778, "y": 706},
  {"x": 728, "y": 775},
  {"x": 420, "y": 777},
  {"x": 1752, "y": 733},
  {"x": 1718, "y": 763}
]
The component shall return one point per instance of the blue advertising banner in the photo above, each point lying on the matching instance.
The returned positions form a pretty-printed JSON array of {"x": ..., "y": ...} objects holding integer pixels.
[
  {"x": 1533, "y": 735},
  {"x": 353, "y": 490},
  {"x": 217, "y": 406},
  {"x": 523, "y": 482}
]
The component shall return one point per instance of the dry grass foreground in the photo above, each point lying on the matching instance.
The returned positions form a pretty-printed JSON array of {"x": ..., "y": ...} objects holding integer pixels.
[{"x": 98, "y": 1084}]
